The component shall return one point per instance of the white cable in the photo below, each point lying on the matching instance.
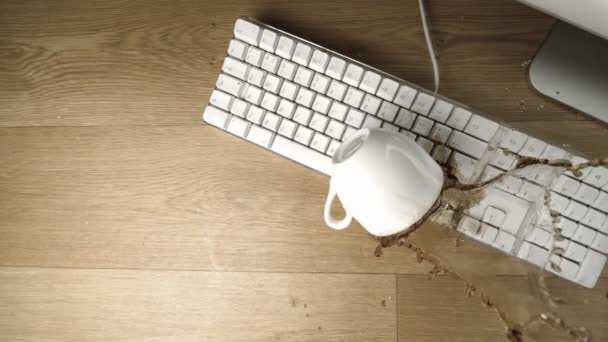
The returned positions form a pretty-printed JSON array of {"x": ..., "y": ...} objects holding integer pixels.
[{"x": 429, "y": 44}]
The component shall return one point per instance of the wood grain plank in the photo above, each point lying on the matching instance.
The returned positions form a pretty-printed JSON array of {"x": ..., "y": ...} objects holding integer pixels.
[
  {"x": 169, "y": 198},
  {"x": 115, "y": 305},
  {"x": 182, "y": 198},
  {"x": 439, "y": 310},
  {"x": 118, "y": 62}
]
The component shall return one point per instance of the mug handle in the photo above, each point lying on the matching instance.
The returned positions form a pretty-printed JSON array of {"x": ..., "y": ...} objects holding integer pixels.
[{"x": 330, "y": 220}]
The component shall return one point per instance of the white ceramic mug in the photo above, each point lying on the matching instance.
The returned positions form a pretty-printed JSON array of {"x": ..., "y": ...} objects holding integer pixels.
[{"x": 384, "y": 180}]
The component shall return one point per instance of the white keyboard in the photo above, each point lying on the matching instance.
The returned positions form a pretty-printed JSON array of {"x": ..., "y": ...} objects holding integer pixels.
[{"x": 301, "y": 100}]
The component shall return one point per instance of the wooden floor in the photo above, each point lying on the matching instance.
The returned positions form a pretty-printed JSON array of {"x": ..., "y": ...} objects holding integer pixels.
[{"x": 124, "y": 218}]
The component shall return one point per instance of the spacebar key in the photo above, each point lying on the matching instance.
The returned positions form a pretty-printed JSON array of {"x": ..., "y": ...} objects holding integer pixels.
[{"x": 302, "y": 154}]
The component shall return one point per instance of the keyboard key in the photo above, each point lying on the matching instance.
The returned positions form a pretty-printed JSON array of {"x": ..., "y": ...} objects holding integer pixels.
[
  {"x": 567, "y": 226},
  {"x": 370, "y": 82},
  {"x": 422, "y": 126},
  {"x": 371, "y": 122},
  {"x": 335, "y": 129},
  {"x": 272, "y": 83},
  {"x": 408, "y": 134},
  {"x": 494, "y": 216},
  {"x": 333, "y": 146},
  {"x": 576, "y": 160},
  {"x": 255, "y": 115},
  {"x": 215, "y": 117},
  {"x": 303, "y": 76},
  {"x": 425, "y": 143},
  {"x": 318, "y": 122},
  {"x": 246, "y": 31},
  {"x": 598, "y": 177},
  {"x": 352, "y": 75},
  {"x": 575, "y": 211},
  {"x": 353, "y": 97},
  {"x": 440, "y": 133},
  {"x": 355, "y": 118},
  {"x": 318, "y": 61},
  {"x": 260, "y": 136},
  {"x": 575, "y": 252},
  {"x": 389, "y": 127},
  {"x": 504, "y": 241},
  {"x": 336, "y": 90},
  {"x": 533, "y": 254},
  {"x": 539, "y": 174},
  {"x": 569, "y": 269},
  {"x": 441, "y": 111},
  {"x": 270, "y": 101},
  {"x": 405, "y": 96},
  {"x": 287, "y": 69},
  {"x": 481, "y": 128},
  {"x": 335, "y": 68},
  {"x": 302, "y": 115},
  {"x": 239, "y": 108},
  {"x": 459, "y": 118},
  {"x": 388, "y": 89},
  {"x": 502, "y": 160},
  {"x": 256, "y": 76},
  {"x": 530, "y": 191},
  {"x": 303, "y": 135},
  {"x": 469, "y": 226},
  {"x": 513, "y": 141},
  {"x": 286, "y": 108},
  {"x": 302, "y": 154},
  {"x": 467, "y": 144},
  {"x": 405, "y": 118},
  {"x": 584, "y": 235},
  {"x": 271, "y": 121},
  {"x": 338, "y": 111},
  {"x": 540, "y": 237},
  {"x": 301, "y": 54},
  {"x": 254, "y": 56},
  {"x": 552, "y": 153},
  {"x": 229, "y": 84},
  {"x": 441, "y": 154},
  {"x": 237, "y": 126},
  {"x": 321, "y": 104},
  {"x": 533, "y": 148},
  {"x": 510, "y": 184},
  {"x": 270, "y": 62},
  {"x": 388, "y": 111},
  {"x": 288, "y": 90},
  {"x": 423, "y": 103},
  {"x": 319, "y": 83},
  {"x": 304, "y": 97},
  {"x": 348, "y": 132},
  {"x": 558, "y": 202},
  {"x": 586, "y": 194},
  {"x": 464, "y": 166},
  {"x": 566, "y": 186},
  {"x": 268, "y": 40},
  {"x": 319, "y": 142},
  {"x": 591, "y": 268},
  {"x": 370, "y": 104},
  {"x": 285, "y": 47},
  {"x": 220, "y": 100},
  {"x": 601, "y": 203},
  {"x": 287, "y": 128},
  {"x": 600, "y": 243},
  {"x": 253, "y": 94},
  {"x": 237, "y": 49},
  {"x": 235, "y": 68}
]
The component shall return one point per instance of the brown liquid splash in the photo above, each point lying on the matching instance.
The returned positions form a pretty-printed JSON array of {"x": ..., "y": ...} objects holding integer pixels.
[{"x": 525, "y": 302}]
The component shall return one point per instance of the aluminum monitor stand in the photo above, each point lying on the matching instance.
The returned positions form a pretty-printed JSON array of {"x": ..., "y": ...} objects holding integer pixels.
[{"x": 572, "y": 68}]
